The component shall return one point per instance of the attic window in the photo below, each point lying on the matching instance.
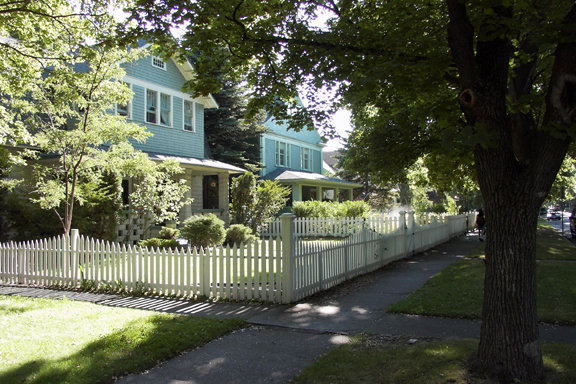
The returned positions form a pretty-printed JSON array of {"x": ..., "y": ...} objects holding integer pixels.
[{"x": 158, "y": 63}]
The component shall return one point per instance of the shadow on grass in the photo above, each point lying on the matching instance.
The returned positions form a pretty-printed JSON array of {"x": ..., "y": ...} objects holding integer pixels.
[{"x": 139, "y": 346}]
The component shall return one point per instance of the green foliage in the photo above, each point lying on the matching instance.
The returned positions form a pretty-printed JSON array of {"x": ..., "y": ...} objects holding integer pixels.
[
  {"x": 239, "y": 234},
  {"x": 204, "y": 230},
  {"x": 20, "y": 220},
  {"x": 230, "y": 137},
  {"x": 169, "y": 233},
  {"x": 158, "y": 193},
  {"x": 99, "y": 214},
  {"x": 155, "y": 242},
  {"x": 331, "y": 209},
  {"x": 253, "y": 203}
]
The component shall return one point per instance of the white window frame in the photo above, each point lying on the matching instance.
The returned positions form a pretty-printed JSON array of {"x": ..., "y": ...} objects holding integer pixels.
[
  {"x": 158, "y": 107},
  {"x": 146, "y": 106},
  {"x": 128, "y": 105},
  {"x": 305, "y": 153},
  {"x": 193, "y": 118},
  {"x": 156, "y": 60},
  {"x": 170, "y": 103},
  {"x": 286, "y": 162}
]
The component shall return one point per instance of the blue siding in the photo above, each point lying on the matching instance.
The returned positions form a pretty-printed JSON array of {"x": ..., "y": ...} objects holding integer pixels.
[
  {"x": 295, "y": 157},
  {"x": 317, "y": 161},
  {"x": 143, "y": 69},
  {"x": 171, "y": 140},
  {"x": 305, "y": 135},
  {"x": 269, "y": 156}
]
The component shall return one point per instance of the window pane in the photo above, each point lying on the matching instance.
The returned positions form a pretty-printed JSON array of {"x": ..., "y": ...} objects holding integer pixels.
[
  {"x": 210, "y": 192},
  {"x": 165, "y": 109},
  {"x": 188, "y": 115},
  {"x": 151, "y": 109},
  {"x": 281, "y": 154},
  {"x": 157, "y": 62}
]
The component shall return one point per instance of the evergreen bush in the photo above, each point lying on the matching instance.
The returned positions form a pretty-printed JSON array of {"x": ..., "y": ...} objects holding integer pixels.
[
  {"x": 238, "y": 234},
  {"x": 169, "y": 233},
  {"x": 204, "y": 230},
  {"x": 155, "y": 242}
]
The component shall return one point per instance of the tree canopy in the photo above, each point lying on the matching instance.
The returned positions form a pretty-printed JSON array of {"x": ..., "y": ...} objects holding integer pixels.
[{"x": 492, "y": 81}]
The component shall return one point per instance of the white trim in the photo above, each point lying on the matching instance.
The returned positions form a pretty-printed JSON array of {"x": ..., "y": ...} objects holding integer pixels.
[
  {"x": 158, "y": 59},
  {"x": 286, "y": 154},
  {"x": 310, "y": 158},
  {"x": 193, "y": 116},
  {"x": 159, "y": 88},
  {"x": 291, "y": 141},
  {"x": 170, "y": 118},
  {"x": 146, "y": 107}
]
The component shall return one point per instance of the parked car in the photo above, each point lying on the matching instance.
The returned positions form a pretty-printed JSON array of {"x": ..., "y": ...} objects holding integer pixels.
[
  {"x": 573, "y": 223},
  {"x": 554, "y": 215}
]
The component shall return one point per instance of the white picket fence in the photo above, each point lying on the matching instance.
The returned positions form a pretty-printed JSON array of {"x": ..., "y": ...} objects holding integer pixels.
[
  {"x": 332, "y": 227},
  {"x": 277, "y": 270}
]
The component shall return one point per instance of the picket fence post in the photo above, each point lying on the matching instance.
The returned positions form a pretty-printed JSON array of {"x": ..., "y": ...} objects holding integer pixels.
[
  {"x": 287, "y": 231},
  {"x": 74, "y": 239},
  {"x": 410, "y": 231}
]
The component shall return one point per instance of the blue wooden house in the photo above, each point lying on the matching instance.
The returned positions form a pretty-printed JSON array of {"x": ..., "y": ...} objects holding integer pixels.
[
  {"x": 176, "y": 120},
  {"x": 295, "y": 160}
]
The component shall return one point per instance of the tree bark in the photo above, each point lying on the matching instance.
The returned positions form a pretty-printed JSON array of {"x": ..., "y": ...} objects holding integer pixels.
[{"x": 515, "y": 170}]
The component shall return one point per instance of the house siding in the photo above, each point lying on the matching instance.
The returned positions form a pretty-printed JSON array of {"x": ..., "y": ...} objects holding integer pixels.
[{"x": 172, "y": 140}]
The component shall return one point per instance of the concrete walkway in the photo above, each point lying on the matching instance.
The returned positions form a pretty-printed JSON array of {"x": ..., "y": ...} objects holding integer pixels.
[{"x": 284, "y": 339}]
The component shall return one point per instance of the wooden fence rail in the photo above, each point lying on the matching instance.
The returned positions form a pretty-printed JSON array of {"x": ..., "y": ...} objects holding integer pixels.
[{"x": 279, "y": 269}]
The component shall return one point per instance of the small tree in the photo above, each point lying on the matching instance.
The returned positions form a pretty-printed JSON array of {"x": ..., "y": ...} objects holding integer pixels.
[
  {"x": 254, "y": 203},
  {"x": 158, "y": 194}
]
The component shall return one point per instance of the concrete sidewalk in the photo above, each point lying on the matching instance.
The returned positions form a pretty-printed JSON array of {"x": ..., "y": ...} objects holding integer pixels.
[{"x": 286, "y": 338}]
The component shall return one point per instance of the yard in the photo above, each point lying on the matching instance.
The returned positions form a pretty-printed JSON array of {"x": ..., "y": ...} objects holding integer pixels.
[
  {"x": 62, "y": 341},
  {"x": 457, "y": 292}
]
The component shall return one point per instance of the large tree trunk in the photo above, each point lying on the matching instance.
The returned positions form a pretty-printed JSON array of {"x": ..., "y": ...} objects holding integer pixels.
[
  {"x": 509, "y": 347},
  {"x": 516, "y": 166}
]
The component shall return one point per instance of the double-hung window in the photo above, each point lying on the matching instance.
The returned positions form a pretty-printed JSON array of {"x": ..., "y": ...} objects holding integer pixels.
[
  {"x": 151, "y": 106},
  {"x": 165, "y": 109},
  {"x": 158, "y": 108},
  {"x": 306, "y": 159},
  {"x": 188, "y": 116},
  {"x": 281, "y": 154}
]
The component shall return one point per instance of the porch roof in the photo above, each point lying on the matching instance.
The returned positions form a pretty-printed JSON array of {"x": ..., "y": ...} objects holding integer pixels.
[
  {"x": 284, "y": 175},
  {"x": 199, "y": 164}
]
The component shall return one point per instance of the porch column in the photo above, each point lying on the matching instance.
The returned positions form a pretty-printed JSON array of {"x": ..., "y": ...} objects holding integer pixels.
[
  {"x": 223, "y": 196},
  {"x": 196, "y": 193},
  {"x": 186, "y": 210}
]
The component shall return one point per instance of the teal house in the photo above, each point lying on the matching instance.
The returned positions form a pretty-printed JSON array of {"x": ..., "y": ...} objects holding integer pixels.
[
  {"x": 295, "y": 159},
  {"x": 176, "y": 120}
]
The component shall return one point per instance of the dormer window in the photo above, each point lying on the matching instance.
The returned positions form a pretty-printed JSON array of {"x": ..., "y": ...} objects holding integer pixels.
[{"x": 158, "y": 62}]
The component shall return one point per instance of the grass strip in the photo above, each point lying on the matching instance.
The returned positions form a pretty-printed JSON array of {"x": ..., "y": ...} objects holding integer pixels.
[
  {"x": 61, "y": 341},
  {"x": 457, "y": 290},
  {"x": 421, "y": 363}
]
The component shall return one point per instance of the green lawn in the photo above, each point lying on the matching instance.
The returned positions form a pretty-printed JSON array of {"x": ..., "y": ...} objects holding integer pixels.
[
  {"x": 421, "y": 363},
  {"x": 457, "y": 291},
  {"x": 61, "y": 341}
]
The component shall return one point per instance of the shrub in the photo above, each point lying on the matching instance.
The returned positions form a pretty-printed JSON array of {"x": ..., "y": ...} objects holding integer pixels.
[
  {"x": 238, "y": 233},
  {"x": 331, "y": 209},
  {"x": 354, "y": 209},
  {"x": 252, "y": 203},
  {"x": 169, "y": 233},
  {"x": 155, "y": 242},
  {"x": 203, "y": 231}
]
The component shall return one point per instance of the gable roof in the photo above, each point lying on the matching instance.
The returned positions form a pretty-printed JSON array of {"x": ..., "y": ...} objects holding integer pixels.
[{"x": 187, "y": 72}]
